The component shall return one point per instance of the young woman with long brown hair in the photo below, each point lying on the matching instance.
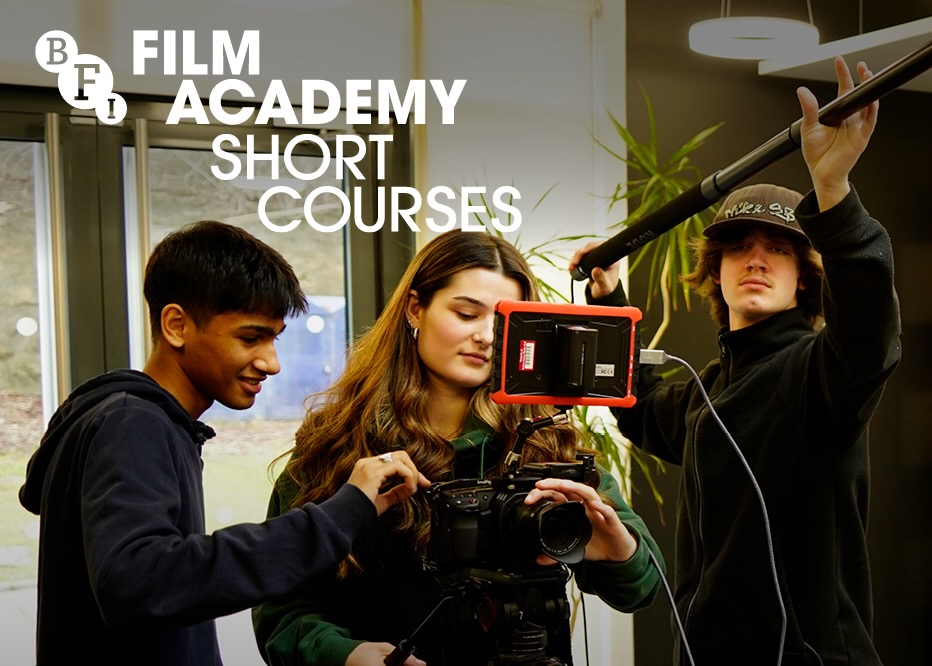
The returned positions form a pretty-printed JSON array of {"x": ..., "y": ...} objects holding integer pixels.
[{"x": 418, "y": 381}]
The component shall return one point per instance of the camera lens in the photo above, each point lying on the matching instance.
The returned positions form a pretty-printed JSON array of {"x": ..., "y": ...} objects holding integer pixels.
[{"x": 559, "y": 530}]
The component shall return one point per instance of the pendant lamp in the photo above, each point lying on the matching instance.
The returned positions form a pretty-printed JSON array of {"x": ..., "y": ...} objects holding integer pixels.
[{"x": 752, "y": 37}]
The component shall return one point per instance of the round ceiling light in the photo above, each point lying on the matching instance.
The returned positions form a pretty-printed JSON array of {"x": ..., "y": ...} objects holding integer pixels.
[{"x": 751, "y": 38}]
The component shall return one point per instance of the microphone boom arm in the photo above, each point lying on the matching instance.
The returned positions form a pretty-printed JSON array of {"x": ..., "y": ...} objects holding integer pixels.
[{"x": 716, "y": 186}]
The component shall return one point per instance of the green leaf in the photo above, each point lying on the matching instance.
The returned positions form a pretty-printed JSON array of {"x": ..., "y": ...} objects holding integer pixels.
[{"x": 694, "y": 142}]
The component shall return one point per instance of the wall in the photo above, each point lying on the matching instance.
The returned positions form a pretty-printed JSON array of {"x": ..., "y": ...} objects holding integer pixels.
[
  {"x": 542, "y": 74},
  {"x": 691, "y": 92}
]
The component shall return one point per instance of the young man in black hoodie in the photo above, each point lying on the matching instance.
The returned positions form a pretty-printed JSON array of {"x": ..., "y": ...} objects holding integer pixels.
[
  {"x": 127, "y": 574},
  {"x": 797, "y": 399}
]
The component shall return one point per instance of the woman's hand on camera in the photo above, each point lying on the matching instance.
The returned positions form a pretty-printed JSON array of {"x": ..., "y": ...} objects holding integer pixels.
[
  {"x": 371, "y": 474},
  {"x": 373, "y": 654},
  {"x": 602, "y": 282},
  {"x": 610, "y": 540}
]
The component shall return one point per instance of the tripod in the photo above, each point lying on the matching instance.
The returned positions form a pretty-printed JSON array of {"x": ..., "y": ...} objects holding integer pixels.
[
  {"x": 521, "y": 610},
  {"x": 518, "y": 611}
]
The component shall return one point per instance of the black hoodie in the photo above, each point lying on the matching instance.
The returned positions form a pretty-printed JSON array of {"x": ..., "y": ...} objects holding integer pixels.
[
  {"x": 797, "y": 405},
  {"x": 126, "y": 573}
]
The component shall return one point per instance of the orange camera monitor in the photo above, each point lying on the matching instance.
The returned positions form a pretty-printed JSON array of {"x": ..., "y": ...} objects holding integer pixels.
[{"x": 562, "y": 354}]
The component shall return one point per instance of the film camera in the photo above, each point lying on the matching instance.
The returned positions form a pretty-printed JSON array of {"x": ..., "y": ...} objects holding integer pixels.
[
  {"x": 484, "y": 543},
  {"x": 485, "y": 522}
]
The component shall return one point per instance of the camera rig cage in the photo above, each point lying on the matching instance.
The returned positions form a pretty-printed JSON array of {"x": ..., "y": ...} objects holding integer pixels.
[{"x": 564, "y": 354}]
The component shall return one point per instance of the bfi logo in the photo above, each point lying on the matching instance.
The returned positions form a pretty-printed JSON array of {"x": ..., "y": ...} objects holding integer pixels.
[{"x": 84, "y": 80}]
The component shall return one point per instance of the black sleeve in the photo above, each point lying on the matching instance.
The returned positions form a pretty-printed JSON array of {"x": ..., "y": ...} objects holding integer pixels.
[{"x": 144, "y": 559}]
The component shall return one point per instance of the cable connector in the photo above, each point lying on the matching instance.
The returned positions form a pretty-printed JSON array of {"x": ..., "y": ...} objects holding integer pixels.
[{"x": 653, "y": 357}]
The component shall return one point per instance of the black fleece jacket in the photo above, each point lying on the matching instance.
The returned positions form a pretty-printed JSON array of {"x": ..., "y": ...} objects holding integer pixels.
[
  {"x": 126, "y": 573},
  {"x": 798, "y": 405}
]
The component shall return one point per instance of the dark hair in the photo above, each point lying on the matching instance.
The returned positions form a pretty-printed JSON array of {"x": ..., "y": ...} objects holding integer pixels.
[
  {"x": 210, "y": 268},
  {"x": 708, "y": 255}
]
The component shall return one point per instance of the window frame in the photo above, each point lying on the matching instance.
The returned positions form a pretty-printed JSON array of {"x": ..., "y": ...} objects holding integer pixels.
[{"x": 94, "y": 214}]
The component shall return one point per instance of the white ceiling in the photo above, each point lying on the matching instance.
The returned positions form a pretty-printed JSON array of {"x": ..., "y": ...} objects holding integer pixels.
[{"x": 878, "y": 49}]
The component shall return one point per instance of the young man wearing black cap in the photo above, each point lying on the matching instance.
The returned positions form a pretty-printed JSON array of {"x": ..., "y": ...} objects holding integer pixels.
[{"x": 796, "y": 397}]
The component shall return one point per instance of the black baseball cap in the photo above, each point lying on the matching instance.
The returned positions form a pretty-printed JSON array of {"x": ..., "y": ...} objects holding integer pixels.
[{"x": 766, "y": 204}]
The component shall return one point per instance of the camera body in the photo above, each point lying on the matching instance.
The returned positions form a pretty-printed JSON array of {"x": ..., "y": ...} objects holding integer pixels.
[{"x": 485, "y": 524}]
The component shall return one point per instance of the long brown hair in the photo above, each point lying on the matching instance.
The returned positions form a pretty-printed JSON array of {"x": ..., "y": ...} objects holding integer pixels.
[
  {"x": 380, "y": 403},
  {"x": 708, "y": 255}
]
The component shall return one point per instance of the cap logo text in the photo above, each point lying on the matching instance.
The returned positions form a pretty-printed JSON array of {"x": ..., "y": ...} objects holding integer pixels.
[{"x": 745, "y": 208}]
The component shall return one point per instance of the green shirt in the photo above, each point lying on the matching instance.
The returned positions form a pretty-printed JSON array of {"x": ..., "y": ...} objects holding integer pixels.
[{"x": 309, "y": 628}]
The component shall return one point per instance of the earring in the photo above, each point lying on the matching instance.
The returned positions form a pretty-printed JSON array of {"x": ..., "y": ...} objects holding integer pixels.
[{"x": 412, "y": 329}]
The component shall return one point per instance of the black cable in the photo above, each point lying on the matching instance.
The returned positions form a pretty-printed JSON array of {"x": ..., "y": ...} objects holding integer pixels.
[
  {"x": 760, "y": 499},
  {"x": 585, "y": 625},
  {"x": 676, "y": 615},
  {"x": 406, "y": 647}
]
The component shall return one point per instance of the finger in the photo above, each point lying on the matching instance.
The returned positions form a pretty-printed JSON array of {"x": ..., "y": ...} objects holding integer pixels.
[
  {"x": 535, "y": 496},
  {"x": 410, "y": 478},
  {"x": 581, "y": 252},
  {"x": 419, "y": 479},
  {"x": 404, "y": 467},
  {"x": 393, "y": 496},
  {"x": 871, "y": 111},
  {"x": 558, "y": 496},
  {"x": 569, "y": 488},
  {"x": 371, "y": 474},
  {"x": 400, "y": 466},
  {"x": 809, "y": 106},
  {"x": 843, "y": 74},
  {"x": 604, "y": 512}
]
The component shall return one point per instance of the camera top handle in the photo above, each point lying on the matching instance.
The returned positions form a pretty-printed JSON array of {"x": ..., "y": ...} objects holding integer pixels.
[{"x": 525, "y": 429}]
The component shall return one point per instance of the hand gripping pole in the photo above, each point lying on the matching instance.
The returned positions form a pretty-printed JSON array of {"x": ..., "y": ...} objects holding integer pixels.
[{"x": 716, "y": 186}]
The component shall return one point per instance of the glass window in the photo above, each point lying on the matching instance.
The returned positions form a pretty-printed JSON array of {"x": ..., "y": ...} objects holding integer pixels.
[{"x": 21, "y": 390}]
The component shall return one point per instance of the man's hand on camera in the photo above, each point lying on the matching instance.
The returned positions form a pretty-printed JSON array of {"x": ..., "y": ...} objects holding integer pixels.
[
  {"x": 610, "y": 540},
  {"x": 371, "y": 474}
]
